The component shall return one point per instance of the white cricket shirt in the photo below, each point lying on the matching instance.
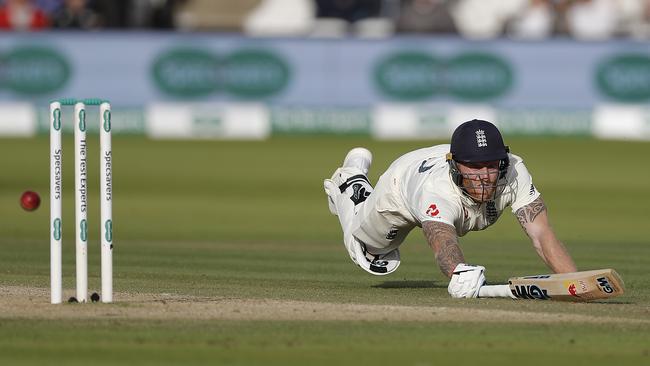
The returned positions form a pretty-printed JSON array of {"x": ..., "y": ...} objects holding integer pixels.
[{"x": 429, "y": 194}]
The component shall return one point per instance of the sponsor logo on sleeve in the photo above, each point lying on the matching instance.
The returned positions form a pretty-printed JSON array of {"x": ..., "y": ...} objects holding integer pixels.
[{"x": 433, "y": 210}]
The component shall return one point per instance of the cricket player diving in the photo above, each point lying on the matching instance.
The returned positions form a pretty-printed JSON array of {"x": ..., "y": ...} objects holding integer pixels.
[{"x": 447, "y": 190}]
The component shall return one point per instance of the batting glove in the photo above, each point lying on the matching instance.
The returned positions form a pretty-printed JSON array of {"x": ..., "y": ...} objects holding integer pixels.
[{"x": 466, "y": 280}]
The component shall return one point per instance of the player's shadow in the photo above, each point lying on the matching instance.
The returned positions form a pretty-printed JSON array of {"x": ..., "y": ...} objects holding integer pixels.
[{"x": 409, "y": 284}]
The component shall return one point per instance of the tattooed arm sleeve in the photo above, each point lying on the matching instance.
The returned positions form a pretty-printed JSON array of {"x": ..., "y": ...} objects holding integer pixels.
[
  {"x": 533, "y": 218},
  {"x": 443, "y": 240},
  {"x": 529, "y": 213}
]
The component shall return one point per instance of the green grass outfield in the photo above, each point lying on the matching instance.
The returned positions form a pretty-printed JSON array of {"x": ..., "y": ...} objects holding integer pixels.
[{"x": 249, "y": 220}]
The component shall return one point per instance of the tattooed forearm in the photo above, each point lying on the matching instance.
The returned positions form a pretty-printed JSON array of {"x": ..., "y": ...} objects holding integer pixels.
[
  {"x": 443, "y": 240},
  {"x": 448, "y": 257},
  {"x": 529, "y": 212}
]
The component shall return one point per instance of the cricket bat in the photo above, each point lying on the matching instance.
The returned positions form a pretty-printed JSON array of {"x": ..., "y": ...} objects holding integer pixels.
[{"x": 575, "y": 286}]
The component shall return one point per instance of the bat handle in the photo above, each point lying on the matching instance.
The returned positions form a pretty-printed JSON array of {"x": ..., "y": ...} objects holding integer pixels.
[{"x": 495, "y": 291}]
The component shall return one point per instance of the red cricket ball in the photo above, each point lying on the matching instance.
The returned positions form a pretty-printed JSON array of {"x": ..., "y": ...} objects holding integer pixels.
[{"x": 30, "y": 201}]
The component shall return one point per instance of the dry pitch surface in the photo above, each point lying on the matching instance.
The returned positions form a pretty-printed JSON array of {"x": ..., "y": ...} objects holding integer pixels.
[{"x": 31, "y": 303}]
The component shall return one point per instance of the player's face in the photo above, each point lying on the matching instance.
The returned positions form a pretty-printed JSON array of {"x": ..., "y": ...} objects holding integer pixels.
[{"x": 480, "y": 179}]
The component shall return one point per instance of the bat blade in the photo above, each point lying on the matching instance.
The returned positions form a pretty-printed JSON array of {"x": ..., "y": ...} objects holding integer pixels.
[{"x": 576, "y": 286}]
